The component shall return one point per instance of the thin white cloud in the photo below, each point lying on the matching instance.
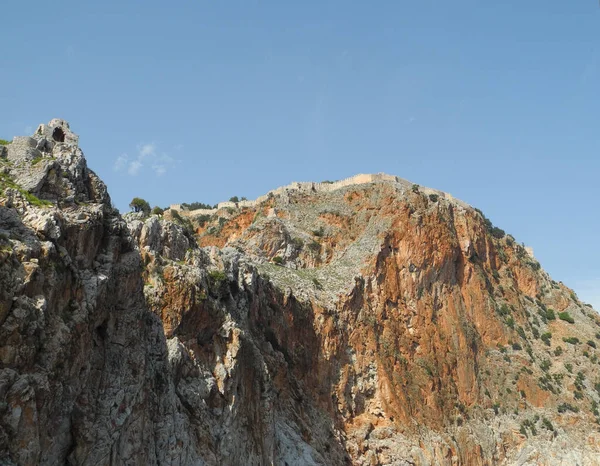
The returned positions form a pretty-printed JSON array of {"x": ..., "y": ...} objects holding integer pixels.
[
  {"x": 162, "y": 163},
  {"x": 148, "y": 156},
  {"x": 159, "y": 169},
  {"x": 134, "y": 167},
  {"x": 147, "y": 150},
  {"x": 121, "y": 162}
]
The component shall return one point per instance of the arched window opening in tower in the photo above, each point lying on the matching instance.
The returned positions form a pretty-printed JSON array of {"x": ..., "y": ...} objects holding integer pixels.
[{"x": 58, "y": 135}]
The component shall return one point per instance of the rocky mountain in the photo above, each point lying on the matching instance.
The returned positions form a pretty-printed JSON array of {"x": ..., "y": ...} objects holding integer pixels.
[{"x": 364, "y": 322}]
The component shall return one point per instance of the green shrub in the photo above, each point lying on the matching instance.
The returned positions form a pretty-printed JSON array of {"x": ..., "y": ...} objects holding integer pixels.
[
  {"x": 497, "y": 232},
  {"x": 547, "y": 424},
  {"x": 563, "y": 408},
  {"x": 527, "y": 424},
  {"x": 595, "y": 411},
  {"x": 571, "y": 340},
  {"x": 550, "y": 314},
  {"x": 183, "y": 222},
  {"x": 546, "y": 338},
  {"x": 157, "y": 211},
  {"x": 558, "y": 351},
  {"x": 545, "y": 365},
  {"x": 433, "y": 197},
  {"x": 196, "y": 206},
  {"x": 489, "y": 226},
  {"x": 504, "y": 310},
  {"x": 510, "y": 322},
  {"x": 202, "y": 219},
  {"x": 320, "y": 232},
  {"x": 217, "y": 277},
  {"x": 278, "y": 260},
  {"x": 234, "y": 199},
  {"x": 545, "y": 383},
  {"x": 569, "y": 367},
  {"x": 516, "y": 347},
  {"x": 496, "y": 408},
  {"x": 530, "y": 352},
  {"x": 140, "y": 205},
  {"x": 535, "y": 265},
  {"x": 415, "y": 188},
  {"x": 314, "y": 247},
  {"x": 217, "y": 283},
  {"x": 4, "y": 142},
  {"x": 566, "y": 317},
  {"x": 591, "y": 343},
  {"x": 298, "y": 243}
]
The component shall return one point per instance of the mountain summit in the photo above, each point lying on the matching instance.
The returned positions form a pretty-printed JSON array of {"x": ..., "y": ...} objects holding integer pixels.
[{"x": 368, "y": 321}]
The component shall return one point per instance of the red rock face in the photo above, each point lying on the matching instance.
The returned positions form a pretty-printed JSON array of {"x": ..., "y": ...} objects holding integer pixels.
[
  {"x": 373, "y": 324},
  {"x": 434, "y": 332}
]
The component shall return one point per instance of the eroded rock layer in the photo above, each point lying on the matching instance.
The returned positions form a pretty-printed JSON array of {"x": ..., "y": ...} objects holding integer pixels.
[{"x": 378, "y": 323}]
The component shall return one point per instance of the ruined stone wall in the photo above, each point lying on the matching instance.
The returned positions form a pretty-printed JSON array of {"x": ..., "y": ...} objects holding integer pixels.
[{"x": 313, "y": 187}]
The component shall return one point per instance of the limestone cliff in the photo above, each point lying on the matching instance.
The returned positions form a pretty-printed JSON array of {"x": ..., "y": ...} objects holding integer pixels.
[
  {"x": 83, "y": 364},
  {"x": 363, "y": 323}
]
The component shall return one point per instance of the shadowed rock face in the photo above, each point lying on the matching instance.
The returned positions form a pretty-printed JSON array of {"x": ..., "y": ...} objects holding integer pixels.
[
  {"x": 82, "y": 361},
  {"x": 372, "y": 324}
]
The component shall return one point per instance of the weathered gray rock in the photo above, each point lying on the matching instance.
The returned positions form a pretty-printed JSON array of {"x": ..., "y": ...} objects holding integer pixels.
[
  {"x": 83, "y": 364},
  {"x": 56, "y": 131},
  {"x": 23, "y": 149},
  {"x": 163, "y": 238},
  {"x": 123, "y": 342}
]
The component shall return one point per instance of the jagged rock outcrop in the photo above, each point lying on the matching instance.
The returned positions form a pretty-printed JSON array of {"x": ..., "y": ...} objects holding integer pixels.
[
  {"x": 83, "y": 364},
  {"x": 378, "y": 323}
]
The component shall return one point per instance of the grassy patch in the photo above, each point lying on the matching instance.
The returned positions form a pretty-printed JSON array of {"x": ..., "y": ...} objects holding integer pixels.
[
  {"x": 7, "y": 182},
  {"x": 217, "y": 276},
  {"x": 566, "y": 317},
  {"x": 33, "y": 200}
]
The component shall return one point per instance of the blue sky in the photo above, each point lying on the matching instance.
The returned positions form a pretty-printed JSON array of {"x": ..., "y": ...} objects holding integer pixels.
[{"x": 495, "y": 102}]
